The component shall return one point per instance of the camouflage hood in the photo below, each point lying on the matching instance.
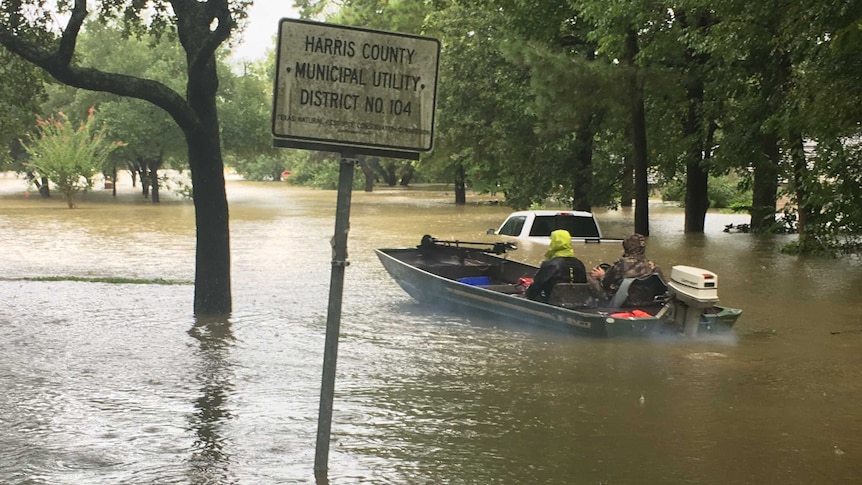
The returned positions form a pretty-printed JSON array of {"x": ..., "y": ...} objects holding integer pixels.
[{"x": 634, "y": 246}]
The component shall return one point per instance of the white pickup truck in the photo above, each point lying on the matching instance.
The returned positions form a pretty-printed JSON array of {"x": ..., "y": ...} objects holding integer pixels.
[{"x": 537, "y": 225}]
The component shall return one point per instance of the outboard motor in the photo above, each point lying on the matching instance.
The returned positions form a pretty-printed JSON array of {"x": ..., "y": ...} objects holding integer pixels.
[{"x": 692, "y": 291}]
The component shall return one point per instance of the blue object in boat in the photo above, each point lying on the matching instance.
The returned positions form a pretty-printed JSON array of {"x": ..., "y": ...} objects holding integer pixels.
[{"x": 475, "y": 280}]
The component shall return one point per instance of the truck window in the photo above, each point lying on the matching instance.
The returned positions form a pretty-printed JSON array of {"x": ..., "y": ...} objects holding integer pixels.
[
  {"x": 512, "y": 226},
  {"x": 543, "y": 226},
  {"x": 578, "y": 226}
]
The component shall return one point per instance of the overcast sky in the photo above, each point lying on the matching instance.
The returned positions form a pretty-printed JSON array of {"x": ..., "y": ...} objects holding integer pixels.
[{"x": 263, "y": 19}]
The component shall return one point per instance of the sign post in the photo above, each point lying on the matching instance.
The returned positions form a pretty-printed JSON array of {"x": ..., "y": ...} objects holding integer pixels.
[
  {"x": 355, "y": 92},
  {"x": 333, "y": 314}
]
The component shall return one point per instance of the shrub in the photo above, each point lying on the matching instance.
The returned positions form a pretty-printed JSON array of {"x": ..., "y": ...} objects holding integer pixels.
[
  {"x": 67, "y": 157},
  {"x": 723, "y": 192}
]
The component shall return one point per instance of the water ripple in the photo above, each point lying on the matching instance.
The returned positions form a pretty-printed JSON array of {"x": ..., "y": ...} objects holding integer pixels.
[{"x": 107, "y": 383}]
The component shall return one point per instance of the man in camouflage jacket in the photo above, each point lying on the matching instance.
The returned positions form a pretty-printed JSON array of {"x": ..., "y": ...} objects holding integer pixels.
[{"x": 633, "y": 264}]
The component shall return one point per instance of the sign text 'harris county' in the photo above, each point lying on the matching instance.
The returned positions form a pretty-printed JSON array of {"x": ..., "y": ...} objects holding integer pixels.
[{"x": 350, "y": 87}]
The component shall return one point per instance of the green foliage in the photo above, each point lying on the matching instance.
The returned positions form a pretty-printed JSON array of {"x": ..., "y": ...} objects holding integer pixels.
[
  {"x": 259, "y": 167},
  {"x": 29, "y": 29},
  {"x": 178, "y": 183},
  {"x": 823, "y": 247},
  {"x": 524, "y": 84},
  {"x": 725, "y": 192},
  {"x": 319, "y": 170},
  {"x": 21, "y": 90},
  {"x": 673, "y": 190},
  {"x": 482, "y": 184},
  {"x": 393, "y": 15},
  {"x": 244, "y": 101},
  {"x": 833, "y": 188},
  {"x": 148, "y": 131},
  {"x": 484, "y": 122},
  {"x": 245, "y": 107},
  {"x": 528, "y": 90},
  {"x": 68, "y": 157}
]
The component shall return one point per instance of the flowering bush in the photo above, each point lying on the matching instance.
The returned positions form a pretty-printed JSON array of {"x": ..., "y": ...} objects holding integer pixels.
[{"x": 66, "y": 156}]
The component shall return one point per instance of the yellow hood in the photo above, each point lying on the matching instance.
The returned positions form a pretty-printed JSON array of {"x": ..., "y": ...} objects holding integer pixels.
[{"x": 561, "y": 245}]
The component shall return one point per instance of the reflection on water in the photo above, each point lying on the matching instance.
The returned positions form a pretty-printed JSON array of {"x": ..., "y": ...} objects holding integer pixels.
[
  {"x": 210, "y": 459},
  {"x": 120, "y": 384}
]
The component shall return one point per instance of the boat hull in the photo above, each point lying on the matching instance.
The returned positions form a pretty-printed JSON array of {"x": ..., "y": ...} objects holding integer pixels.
[{"x": 428, "y": 284}]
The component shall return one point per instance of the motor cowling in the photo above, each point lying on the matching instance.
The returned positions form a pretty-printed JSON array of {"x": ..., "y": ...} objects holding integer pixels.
[{"x": 692, "y": 291}]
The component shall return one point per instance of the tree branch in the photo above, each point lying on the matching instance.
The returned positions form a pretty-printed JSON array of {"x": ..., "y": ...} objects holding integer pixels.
[
  {"x": 70, "y": 34},
  {"x": 58, "y": 65},
  {"x": 193, "y": 22},
  {"x": 216, "y": 9}
]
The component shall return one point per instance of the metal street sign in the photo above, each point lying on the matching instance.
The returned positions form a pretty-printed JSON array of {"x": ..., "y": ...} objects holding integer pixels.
[{"x": 353, "y": 90}]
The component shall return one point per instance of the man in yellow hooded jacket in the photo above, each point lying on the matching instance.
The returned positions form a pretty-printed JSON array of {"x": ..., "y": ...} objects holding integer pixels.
[{"x": 560, "y": 266}]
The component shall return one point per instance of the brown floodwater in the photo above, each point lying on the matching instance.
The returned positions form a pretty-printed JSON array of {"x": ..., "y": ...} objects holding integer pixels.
[{"x": 118, "y": 383}]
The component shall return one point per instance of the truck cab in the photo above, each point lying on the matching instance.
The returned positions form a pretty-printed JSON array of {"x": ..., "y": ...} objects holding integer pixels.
[{"x": 537, "y": 225}]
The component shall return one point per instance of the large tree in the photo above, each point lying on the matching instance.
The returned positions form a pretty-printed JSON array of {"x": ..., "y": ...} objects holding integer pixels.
[
  {"x": 151, "y": 137},
  {"x": 201, "y": 27},
  {"x": 698, "y": 128}
]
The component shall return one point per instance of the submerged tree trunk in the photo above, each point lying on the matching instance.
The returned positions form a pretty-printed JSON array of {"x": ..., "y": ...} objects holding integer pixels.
[
  {"x": 369, "y": 166},
  {"x": 460, "y": 185},
  {"x": 627, "y": 184},
  {"x": 69, "y": 196},
  {"x": 143, "y": 173},
  {"x": 114, "y": 180},
  {"x": 407, "y": 174},
  {"x": 41, "y": 185},
  {"x": 696, "y": 195},
  {"x": 582, "y": 165},
  {"x": 805, "y": 207},
  {"x": 391, "y": 177},
  {"x": 153, "y": 165},
  {"x": 368, "y": 170},
  {"x": 694, "y": 127},
  {"x": 154, "y": 183},
  {"x": 638, "y": 134},
  {"x": 145, "y": 183},
  {"x": 696, "y": 174},
  {"x": 212, "y": 259},
  {"x": 767, "y": 167},
  {"x": 765, "y": 187}
]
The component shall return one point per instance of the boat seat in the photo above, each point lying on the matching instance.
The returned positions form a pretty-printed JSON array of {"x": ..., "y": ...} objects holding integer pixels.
[
  {"x": 507, "y": 289},
  {"x": 643, "y": 291},
  {"x": 572, "y": 295}
]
